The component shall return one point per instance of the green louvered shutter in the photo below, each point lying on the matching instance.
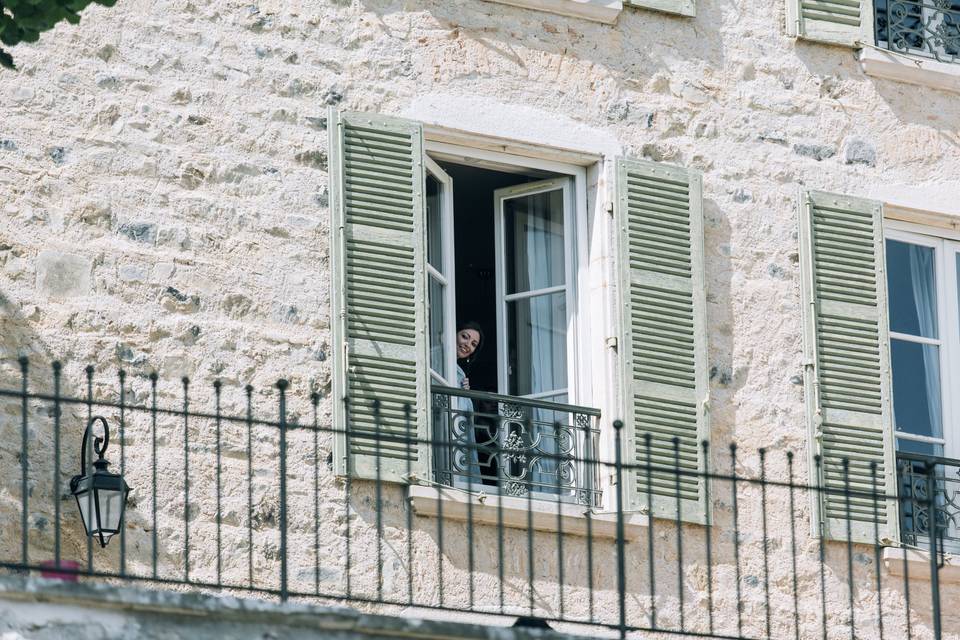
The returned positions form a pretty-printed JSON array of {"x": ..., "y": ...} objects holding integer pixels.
[
  {"x": 379, "y": 308},
  {"x": 848, "y": 363},
  {"x": 845, "y": 22},
  {"x": 663, "y": 343},
  {"x": 681, "y": 7}
]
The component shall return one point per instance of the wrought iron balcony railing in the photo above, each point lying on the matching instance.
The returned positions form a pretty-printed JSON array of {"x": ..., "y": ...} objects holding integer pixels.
[
  {"x": 233, "y": 491},
  {"x": 920, "y": 478},
  {"x": 929, "y": 28},
  {"x": 516, "y": 446}
]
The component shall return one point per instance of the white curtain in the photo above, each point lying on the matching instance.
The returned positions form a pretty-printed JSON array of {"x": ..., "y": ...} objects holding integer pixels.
[
  {"x": 925, "y": 300},
  {"x": 546, "y": 340},
  {"x": 541, "y": 344}
]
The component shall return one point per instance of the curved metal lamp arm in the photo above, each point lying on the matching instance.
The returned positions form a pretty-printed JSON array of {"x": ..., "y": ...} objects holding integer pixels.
[{"x": 99, "y": 444}]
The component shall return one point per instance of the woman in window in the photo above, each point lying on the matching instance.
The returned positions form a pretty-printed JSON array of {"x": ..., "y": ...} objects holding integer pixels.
[{"x": 469, "y": 344}]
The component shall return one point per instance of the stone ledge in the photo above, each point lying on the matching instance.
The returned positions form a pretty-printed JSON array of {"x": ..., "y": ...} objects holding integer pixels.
[
  {"x": 605, "y": 11},
  {"x": 484, "y": 510},
  {"x": 925, "y": 72},
  {"x": 141, "y": 607},
  {"x": 918, "y": 564}
]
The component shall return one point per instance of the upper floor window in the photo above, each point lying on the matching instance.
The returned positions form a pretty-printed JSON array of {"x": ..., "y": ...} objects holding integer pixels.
[
  {"x": 929, "y": 28},
  {"x": 427, "y": 235},
  {"x": 501, "y": 252},
  {"x": 924, "y": 340},
  {"x": 913, "y": 41}
]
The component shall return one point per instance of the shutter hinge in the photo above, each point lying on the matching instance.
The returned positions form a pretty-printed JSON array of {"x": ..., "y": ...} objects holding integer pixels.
[{"x": 611, "y": 342}]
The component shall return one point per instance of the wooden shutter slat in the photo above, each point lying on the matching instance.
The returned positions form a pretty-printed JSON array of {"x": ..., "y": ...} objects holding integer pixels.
[
  {"x": 663, "y": 344},
  {"x": 847, "y": 345},
  {"x": 377, "y": 257},
  {"x": 679, "y": 7},
  {"x": 842, "y": 22}
]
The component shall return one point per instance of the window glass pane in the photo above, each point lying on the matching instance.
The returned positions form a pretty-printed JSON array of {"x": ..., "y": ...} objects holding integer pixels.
[
  {"x": 912, "y": 289},
  {"x": 533, "y": 230},
  {"x": 537, "y": 344},
  {"x": 437, "y": 346},
  {"x": 434, "y": 223},
  {"x": 916, "y": 387}
]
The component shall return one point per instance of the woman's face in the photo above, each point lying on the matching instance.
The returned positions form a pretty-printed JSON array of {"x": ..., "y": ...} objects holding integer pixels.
[{"x": 467, "y": 341}]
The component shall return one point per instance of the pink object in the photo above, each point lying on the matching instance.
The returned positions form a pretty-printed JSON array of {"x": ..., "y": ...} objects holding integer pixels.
[{"x": 52, "y": 571}]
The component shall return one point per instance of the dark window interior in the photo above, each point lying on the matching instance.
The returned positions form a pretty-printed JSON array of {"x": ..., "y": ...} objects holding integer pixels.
[{"x": 476, "y": 287}]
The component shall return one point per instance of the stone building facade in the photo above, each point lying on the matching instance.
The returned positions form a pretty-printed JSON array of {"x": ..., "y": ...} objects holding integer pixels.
[{"x": 175, "y": 182}]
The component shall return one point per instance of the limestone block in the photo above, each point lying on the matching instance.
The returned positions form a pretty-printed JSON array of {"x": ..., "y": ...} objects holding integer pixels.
[
  {"x": 131, "y": 272},
  {"x": 63, "y": 275},
  {"x": 857, "y": 150}
]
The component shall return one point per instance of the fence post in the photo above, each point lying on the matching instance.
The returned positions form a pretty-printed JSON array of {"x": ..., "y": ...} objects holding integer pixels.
[
  {"x": 621, "y": 571},
  {"x": 24, "y": 466},
  {"x": 282, "y": 386},
  {"x": 932, "y": 526},
  {"x": 56, "y": 469}
]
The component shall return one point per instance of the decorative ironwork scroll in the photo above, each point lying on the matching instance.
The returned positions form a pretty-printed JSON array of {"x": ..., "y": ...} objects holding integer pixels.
[
  {"x": 516, "y": 446},
  {"x": 917, "y": 476},
  {"x": 929, "y": 28}
]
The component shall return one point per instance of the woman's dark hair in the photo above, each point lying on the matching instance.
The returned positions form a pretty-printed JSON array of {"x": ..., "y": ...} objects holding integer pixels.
[{"x": 470, "y": 324}]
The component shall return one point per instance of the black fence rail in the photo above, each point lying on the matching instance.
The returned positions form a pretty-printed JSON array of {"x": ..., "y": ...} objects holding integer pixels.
[{"x": 233, "y": 490}]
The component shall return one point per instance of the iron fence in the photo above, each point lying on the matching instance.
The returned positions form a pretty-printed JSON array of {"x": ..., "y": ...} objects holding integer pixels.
[
  {"x": 240, "y": 496},
  {"x": 929, "y": 28}
]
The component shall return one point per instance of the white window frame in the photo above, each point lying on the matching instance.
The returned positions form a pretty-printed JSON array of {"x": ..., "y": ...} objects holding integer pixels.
[
  {"x": 449, "y": 266},
  {"x": 568, "y": 287},
  {"x": 946, "y": 245},
  {"x": 582, "y": 331}
]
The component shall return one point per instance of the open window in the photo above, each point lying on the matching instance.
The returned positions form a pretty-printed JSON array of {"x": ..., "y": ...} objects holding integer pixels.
[
  {"x": 883, "y": 344},
  {"x": 502, "y": 253},
  {"x": 913, "y": 41},
  {"x": 426, "y": 237},
  {"x": 922, "y": 284}
]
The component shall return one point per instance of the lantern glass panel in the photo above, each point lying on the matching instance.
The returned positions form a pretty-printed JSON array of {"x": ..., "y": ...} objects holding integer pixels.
[
  {"x": 111, "y": 509},
  {"x": 87, "y": 510}
]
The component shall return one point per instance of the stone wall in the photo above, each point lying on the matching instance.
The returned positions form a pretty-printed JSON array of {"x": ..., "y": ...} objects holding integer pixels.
[{"x": 164, "y": 197}]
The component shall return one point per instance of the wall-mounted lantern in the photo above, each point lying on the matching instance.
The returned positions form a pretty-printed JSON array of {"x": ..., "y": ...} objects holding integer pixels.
[{"x": 101, "y": 495}]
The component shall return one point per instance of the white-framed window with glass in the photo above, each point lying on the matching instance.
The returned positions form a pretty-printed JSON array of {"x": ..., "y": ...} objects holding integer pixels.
[
  {"x": 505, "y": 248},
  {"x": 535, "y": 275},
  {"x": 506, "y": 254},
  {"x": 441, "y": 292},
  {"x": 922, "y": 270}
]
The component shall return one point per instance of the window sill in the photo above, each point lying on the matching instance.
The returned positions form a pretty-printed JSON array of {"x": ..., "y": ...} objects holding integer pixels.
[
  {"x": 605, "y": 11},
  {"x": 426, "y": 502},
  {"x": 918, "y": 564},
  {"x": 920, "y": 71}
]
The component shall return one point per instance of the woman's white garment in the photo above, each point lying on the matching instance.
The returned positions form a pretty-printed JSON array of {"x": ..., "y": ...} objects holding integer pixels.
[{"x": 464, "y": 459}]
